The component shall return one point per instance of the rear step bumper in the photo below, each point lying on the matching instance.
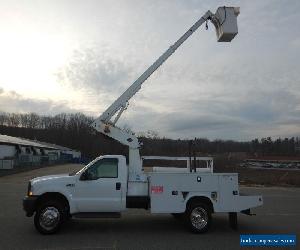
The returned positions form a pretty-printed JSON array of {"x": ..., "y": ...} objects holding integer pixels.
[{"x": 243, "y": 203}]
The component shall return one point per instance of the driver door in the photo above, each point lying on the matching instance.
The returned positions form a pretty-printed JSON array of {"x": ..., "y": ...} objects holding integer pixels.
[{"x": 99, "y": 187}]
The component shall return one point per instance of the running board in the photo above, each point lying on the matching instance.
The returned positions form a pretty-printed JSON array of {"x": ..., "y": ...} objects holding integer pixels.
[{"x": 97, "y": 215}]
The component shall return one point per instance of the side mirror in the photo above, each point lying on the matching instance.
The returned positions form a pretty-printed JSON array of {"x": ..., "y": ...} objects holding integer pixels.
[
  {"x": 87, "y": 176},
  {"x": 84, "y": 176}
]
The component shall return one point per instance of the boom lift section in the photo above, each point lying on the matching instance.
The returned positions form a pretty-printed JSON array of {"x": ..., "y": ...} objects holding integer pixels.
[{"x": 225, "y": 22}]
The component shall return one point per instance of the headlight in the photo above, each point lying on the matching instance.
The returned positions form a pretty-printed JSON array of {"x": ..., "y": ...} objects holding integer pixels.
[{"x": 29, "y": 191}]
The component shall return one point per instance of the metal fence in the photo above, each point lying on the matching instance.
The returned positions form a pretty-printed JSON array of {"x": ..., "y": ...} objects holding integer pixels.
[{"x": 6, "y": 164}]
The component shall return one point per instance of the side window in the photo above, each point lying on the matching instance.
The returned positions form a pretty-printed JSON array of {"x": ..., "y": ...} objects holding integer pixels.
[{"x": 104, "y": 168}]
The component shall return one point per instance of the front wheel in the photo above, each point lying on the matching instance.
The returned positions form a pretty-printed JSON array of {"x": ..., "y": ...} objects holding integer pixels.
[
  {"x": 48, "y": 217},
  {"x": 198, "y": 217}
]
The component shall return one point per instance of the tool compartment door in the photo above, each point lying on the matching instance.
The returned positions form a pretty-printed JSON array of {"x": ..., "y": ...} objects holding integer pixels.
[
  {"x": 166, "y": 189},
  {"x": 229, "y": 190},
  {"x": 162, "y": 199}
]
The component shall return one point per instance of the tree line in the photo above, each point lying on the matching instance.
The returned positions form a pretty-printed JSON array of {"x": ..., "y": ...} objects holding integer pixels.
[{"x": 75, "y": 131}]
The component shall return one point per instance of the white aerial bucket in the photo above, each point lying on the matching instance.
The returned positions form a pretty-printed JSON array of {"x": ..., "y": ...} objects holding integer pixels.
[{"x": 225, "y": 21}]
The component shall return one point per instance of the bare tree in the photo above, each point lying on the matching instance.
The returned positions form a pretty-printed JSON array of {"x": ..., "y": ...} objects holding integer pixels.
[
  {"x": 3, "y": 118},
  {"x": 24, "y": 120},
  {"x": 152, "y": 134},
  {"x": 33, "y": 121},
  {"x": 14, "y": 119}
]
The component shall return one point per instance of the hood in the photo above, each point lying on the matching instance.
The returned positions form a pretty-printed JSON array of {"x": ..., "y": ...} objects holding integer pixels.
[{"x": 58, "y": 177}]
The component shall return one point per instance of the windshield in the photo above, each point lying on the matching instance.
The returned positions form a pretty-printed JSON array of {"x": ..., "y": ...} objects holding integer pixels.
[{"x": 76, "y": 172}]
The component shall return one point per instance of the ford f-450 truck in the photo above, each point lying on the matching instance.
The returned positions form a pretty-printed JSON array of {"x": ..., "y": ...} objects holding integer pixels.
[
  {"x": 108, "y": 185},
  {"x": 103, "y": 189}
]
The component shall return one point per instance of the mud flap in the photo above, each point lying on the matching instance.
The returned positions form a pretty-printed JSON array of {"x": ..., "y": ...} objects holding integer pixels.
[
  {"x": 247, "y": 212},
  {"x": 233, "y": 220}
]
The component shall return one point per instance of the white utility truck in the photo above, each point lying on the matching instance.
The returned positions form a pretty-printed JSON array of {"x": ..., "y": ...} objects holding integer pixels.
[{"x": 108, "y": 185}]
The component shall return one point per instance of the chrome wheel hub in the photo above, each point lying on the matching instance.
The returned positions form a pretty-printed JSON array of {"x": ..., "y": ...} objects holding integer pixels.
[
  {"x": 199, "y": 218},
  {"x": 49, "y": 218}
]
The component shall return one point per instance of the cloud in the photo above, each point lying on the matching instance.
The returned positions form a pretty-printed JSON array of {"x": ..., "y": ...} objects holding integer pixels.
[
  {"x": 22, "y": 104},
  {"x": 256, "y": 114},
  {"x": 295, "y": 43},
  {"x": 241, "y": 90},
  {"x": 95, "y": 69}
]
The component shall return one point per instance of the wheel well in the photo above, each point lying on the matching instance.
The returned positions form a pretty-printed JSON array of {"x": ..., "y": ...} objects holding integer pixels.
[
  {"x": 54, "y": 196},
  {"x": 202, "y": 199}
]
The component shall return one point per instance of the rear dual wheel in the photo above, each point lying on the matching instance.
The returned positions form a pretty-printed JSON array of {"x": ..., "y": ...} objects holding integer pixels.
[{"x": 198, "y": 217}]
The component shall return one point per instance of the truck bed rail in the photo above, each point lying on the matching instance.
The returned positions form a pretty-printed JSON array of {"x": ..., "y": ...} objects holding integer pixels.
[{"x": 190, "y": 163}]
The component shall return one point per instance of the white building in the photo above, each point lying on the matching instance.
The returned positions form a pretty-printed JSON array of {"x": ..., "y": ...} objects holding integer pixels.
[{"x": 16, "y": 151}]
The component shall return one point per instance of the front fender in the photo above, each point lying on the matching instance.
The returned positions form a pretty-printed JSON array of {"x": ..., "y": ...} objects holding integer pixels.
[{"x": 61, "y": 188}]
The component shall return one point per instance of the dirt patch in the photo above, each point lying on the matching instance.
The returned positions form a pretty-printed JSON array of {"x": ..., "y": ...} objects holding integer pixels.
[{"x": 266, "y": 177}]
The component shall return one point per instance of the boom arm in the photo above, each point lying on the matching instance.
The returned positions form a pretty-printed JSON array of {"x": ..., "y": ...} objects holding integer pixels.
[
  {"x": 225, "y": 22},
  {"x": 121, "y": 103}
]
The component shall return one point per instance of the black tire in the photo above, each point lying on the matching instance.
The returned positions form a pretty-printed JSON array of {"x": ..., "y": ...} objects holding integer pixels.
[
  {"x": 49, "y": 217},
  {"x": 233, "y": 220},
  {"x": 198, "y": 217}
]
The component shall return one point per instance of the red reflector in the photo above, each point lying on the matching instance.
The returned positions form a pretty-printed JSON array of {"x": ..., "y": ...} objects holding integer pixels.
[{"x": 157, "y": 189}]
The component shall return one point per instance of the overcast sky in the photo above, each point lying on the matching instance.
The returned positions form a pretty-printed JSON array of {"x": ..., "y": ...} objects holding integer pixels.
[{"x": 69, "y": 56}]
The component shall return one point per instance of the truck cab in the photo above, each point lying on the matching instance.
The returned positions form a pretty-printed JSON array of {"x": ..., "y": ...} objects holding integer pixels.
[
  {"x": 101, "y": 186},
  {"x": 98, "y": 189}
]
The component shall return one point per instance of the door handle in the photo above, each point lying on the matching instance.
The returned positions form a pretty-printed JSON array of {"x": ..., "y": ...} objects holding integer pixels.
[{"x": 118, "y": 185}]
